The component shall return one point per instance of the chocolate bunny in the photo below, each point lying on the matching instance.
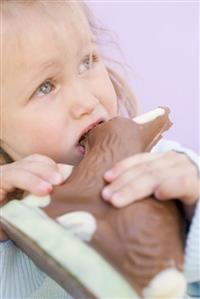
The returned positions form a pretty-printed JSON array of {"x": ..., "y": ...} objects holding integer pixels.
[{"x": 142, "y": 241}]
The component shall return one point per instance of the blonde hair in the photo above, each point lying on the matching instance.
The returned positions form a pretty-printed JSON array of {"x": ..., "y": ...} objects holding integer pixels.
[
  {"x": 126, "y": 98},
  {"x": 124, "y": 93}
]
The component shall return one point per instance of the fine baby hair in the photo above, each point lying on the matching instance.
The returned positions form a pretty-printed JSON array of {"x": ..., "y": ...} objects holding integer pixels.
[
  {"x": 14, "y": 14},
  {"x": 58, "y": 94},
  {"x": 11, "y": 9}
]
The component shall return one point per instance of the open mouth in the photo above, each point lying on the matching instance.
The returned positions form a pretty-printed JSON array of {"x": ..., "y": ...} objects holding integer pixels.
[{"x": 82, "y": 140}]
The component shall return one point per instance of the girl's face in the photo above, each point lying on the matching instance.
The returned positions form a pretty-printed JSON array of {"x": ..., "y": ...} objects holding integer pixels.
[{"x": 54, "y": 84}]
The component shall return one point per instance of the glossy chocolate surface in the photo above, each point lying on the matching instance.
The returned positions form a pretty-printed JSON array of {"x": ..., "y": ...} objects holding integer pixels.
[{"x": 141, "y": 239}]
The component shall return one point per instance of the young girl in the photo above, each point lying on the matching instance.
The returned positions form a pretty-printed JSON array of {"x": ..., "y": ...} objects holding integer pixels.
[{"x": 54, "y": 87}]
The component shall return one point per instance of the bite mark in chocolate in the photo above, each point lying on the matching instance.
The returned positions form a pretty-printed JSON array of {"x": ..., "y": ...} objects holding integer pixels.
[
  {"x": 143, "y": 241},
  {"x": 134, "y": 239}
]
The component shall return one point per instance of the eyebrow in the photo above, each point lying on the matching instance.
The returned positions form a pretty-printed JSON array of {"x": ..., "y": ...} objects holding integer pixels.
[
  {"x": 42, "y": 71},
  {"x": 51, "y": 63},
  {"x": 47, "y": 65},
  {"x": 85, "y": 42}
]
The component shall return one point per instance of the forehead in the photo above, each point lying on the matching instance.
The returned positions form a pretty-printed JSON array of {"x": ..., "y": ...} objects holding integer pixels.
[
  {"x": 34, "y": 36},
  {"x": 28, "y": 26},
  {"x": 41, "y": 28},
  {"x": 24, "y": 10}
]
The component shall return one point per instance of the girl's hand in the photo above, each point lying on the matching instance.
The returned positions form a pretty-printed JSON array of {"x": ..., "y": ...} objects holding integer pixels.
[
  {"x": 36, "y": 174},
  {"x": 167, "y": 175}
]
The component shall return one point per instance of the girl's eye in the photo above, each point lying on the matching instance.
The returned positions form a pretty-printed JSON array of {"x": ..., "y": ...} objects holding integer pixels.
[
  {"x": 44, "y": 89},
  {"x": 87, "y": 63}
]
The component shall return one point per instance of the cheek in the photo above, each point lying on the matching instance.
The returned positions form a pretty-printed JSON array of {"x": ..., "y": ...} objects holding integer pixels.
[
  {"x": 107, "y": 94},
  {"x": 111, "y": 103},
  {"x": 37, "y": 133},
  {"x": 47, "y": 130}
]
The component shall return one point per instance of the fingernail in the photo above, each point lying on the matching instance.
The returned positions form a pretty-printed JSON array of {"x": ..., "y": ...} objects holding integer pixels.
[
  {"x": 65, "y": 170},
  {"x": 157, "y": 194},
  {"x": 108, "y": 174},
  {"x": 106, "y": 193},
  {"x": 44, "y": 187},
  {"x": 116, "y": 198}
]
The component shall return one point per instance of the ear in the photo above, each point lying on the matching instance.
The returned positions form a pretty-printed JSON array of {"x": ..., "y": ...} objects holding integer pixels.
[{"x": 151, "y": 115}]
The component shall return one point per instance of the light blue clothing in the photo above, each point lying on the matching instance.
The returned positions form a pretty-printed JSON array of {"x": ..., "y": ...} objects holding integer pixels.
[
  {"x": 194, "y": 290},
  {"x": 20, "y": 278}
]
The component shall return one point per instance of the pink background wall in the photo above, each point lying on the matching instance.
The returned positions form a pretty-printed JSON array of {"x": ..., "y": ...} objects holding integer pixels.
[{"x": 159, "y": 41}]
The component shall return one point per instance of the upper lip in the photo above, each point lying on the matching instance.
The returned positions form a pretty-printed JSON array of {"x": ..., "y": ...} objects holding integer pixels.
[{"x": 90, "y": 127}]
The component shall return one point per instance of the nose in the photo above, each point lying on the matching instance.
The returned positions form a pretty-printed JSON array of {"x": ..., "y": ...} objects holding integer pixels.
[
  {"x": 83, "y": 103},
  {"x": 82, "y": 108}
]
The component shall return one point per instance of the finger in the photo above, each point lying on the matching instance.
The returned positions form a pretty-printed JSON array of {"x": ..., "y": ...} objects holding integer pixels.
[
  {"x": 134, "y": 191},
  {"x": 53, "y": 173},
  {"x": 39, "y": 158},
  {"x": 158, "y": 168},
  {"x": 120, "y": 182},
  {"x": 143, "y": 185},
  {"x": 170, "y": 157},
  {"x": 42, "y": 166},
  {"x": 183, "y": 187},
  {"x": 47, "y": 172},
  {"x": 131, "y": 177},
  {"x": 25, "y": 180},
  {"x": 64, "y": 169},
  {"x": 121, "y": 166}
]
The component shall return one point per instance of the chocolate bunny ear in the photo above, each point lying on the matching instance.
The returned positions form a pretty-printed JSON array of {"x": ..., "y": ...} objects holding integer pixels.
[
  {"x": 153, "y": 124},
  {"x": 151, "y": 115},
  {"x": 44, "y": 230}
]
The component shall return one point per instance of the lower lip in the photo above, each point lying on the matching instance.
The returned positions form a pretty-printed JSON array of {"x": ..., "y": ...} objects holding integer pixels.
[{"x": 81, "y": 149}]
